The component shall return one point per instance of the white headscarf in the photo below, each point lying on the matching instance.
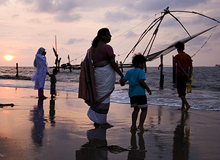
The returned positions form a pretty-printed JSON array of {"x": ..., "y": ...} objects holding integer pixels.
[{"x": 40, "y": 51}]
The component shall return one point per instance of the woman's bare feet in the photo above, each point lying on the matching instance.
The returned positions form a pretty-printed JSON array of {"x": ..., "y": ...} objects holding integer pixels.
[{"x": 106, "y": 125}]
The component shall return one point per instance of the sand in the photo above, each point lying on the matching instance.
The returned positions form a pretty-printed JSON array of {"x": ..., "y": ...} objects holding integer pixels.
[{"x": 60, "y": 129}]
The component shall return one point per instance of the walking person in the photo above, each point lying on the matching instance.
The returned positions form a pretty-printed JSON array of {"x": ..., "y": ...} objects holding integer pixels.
[
  {"x": 137, "y": 86},
  {"x": 39, "y": 76},
  {"x": 97, "y": 78},
  {"x": 184, "y": 73}
]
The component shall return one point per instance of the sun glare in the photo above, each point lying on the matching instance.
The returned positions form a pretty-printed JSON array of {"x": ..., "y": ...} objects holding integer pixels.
[{"x": 8, "y": 57}]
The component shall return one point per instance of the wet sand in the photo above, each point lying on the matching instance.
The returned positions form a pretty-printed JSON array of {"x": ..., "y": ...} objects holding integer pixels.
[{"x": 60, "y": 129}]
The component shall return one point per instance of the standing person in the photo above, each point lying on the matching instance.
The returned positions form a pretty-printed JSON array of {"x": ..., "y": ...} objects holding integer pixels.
[
  {"x": 99, "y": 69},
  {"x": 184, "y": 73},
  {"x": 39, "y": 76},
  {"x": 137, "y": 86},
  {"x": 53, "y": 82}
]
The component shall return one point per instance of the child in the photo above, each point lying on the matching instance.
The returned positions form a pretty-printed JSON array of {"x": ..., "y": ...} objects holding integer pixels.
[
  {"x": 53, "y": 81},
  {"x": 137, "y": 86}
]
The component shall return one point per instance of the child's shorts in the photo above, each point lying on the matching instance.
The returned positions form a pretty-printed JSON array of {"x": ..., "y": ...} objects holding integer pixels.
[{"x": 139, "y": 101}]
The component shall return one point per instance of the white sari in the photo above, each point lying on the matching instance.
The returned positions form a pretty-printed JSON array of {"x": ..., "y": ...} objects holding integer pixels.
[{"x": 104, "y": 82}]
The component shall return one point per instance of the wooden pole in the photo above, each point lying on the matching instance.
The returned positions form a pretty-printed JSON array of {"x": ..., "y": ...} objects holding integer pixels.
[
  {"x": 16, "y": 69},
  {"x": 174, "y": 71},
  {"x": 161, "y": 72},
  {"x": 121, "y": 66}
]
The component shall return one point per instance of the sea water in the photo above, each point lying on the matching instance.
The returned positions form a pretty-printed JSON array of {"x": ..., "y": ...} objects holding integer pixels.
[{"x": 205, "y": 87}]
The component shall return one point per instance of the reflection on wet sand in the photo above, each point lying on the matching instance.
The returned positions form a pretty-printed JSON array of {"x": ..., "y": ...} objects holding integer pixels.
[
  {"x": 37, "y": 116},
  {"x": 97, "y": 148},
  {"x": 137, "y": 153},
  {"x": 181, "y": 141},
  {"x": 52, "y": 112},
  {"x": 91, "y": 150}
]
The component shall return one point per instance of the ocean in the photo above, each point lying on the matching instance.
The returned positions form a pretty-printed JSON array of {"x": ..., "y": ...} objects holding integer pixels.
[{"x": 205, "y": 87}]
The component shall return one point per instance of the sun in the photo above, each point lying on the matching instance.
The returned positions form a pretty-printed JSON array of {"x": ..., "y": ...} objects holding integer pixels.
[{"x": 8, "y": 57}]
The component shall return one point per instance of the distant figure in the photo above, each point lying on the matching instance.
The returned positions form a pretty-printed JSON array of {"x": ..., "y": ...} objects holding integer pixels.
[
  {"x": 96, "y": 85},
  {"x": 137, "y": 86},
  {"x": 184, "y": 73},
  {"x": 53, "y": 82},
  {"x": 39, "y": 76}
]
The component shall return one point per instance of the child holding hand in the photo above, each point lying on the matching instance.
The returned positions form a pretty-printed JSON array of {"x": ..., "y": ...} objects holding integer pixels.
[
  {"x": 53, "y": 81},
  {"x": 137, "y": 86}
]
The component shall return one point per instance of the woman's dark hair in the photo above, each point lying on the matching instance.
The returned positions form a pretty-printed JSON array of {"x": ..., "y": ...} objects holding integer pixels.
[
  {"x": 98, "y": 38},
  {"x": 138, "y": 59},
  {"x": 180, "y": 46}
]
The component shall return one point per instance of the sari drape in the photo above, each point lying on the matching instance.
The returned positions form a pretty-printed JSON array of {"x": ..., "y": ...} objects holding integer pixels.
[{"x": 95, "y": 86}]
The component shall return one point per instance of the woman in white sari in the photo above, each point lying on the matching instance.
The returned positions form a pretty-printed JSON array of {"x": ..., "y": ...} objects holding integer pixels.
[
  {"x": 39, "y": 76},
  {"x": 103, "y": 59}
]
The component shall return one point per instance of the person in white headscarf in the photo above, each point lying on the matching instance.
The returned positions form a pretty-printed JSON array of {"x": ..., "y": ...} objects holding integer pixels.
[{"x": 39, "y": 76}]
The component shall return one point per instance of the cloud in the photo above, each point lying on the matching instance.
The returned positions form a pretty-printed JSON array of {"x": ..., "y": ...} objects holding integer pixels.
[
  {"x": 216, "y": 35},
  {"x": 67, "y": 17},
  {"x": 15, "y": 16},
  {"x": 117, "y": 16},
  {"x": 74, "y": 40},
  {"x": 61, "y": 10},
  {"x": 160, "y": 5},
  {"x": 3, "y": 2},
  {"x": 131, "y": 34}
]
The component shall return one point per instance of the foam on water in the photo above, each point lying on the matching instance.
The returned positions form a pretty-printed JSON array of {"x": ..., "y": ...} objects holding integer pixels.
[{"x": 205, "y": 87}]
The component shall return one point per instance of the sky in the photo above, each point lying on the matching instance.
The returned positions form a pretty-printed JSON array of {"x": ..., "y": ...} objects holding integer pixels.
[{"x": 26, "y": 25}]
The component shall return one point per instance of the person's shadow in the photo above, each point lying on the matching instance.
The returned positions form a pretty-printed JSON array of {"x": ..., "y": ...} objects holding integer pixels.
[
  {"x": 137, "y": 152},
  {"x": 92, "y": 149},
  {"x": 37, "y": 116},
  {"x": 52, "y": 112},
  {"x": 181, "y": 141}
]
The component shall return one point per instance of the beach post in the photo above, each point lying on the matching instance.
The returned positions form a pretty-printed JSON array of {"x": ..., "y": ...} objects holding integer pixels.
[
  {"x": 121, "y": 65},
  {"x": 16, "y": 69},
  {"x": 174, "y": 71},
  {"x": 161, "y": 72}
]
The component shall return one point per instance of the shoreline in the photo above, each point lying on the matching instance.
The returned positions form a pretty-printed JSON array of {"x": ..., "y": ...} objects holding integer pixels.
[{"x": 60, "y": 129}]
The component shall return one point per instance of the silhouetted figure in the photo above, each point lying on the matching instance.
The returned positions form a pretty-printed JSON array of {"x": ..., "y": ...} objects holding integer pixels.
[
  {"x": 183, "y": 72},
  {"x": 53, "y": 82},
  {"x": 39, "y": 76}
]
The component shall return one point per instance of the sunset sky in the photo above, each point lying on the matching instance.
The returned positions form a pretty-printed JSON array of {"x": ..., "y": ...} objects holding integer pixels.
[{"x": 26, "y": 25}]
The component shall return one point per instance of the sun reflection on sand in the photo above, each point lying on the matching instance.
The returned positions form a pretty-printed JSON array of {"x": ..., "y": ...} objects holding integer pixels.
[{"x": 6, "y": 111}]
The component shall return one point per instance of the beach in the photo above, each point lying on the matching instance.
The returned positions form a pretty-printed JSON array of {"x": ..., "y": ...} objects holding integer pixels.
[{"x": 60, "y": 129}]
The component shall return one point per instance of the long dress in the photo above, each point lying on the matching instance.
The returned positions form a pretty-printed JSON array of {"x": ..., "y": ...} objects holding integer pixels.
[{"x": 40, "y": 74}]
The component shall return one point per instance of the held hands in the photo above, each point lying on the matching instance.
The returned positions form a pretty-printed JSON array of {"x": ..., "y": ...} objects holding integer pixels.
[
  {"x": 149, "y": 91},
  {"x": 122, "y": 81}
]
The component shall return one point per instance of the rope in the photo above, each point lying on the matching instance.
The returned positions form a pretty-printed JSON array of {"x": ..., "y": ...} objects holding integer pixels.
[{"x": 204, "y": 42}]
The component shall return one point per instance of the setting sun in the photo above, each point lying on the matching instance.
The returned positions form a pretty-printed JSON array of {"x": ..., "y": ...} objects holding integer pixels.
[{"x": 8, "y": 57}]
